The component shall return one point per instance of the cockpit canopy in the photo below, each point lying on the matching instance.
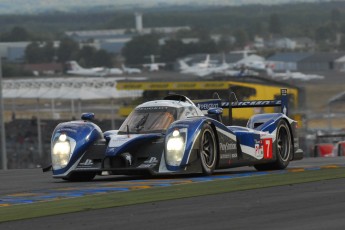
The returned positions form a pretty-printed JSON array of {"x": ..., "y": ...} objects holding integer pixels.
[{"x": 158, "y": 118}]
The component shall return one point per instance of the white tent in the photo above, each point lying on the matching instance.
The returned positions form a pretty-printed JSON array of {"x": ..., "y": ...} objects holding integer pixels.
[
  {"x": 66, "y": 88},
  {"x": 75, "y": 89}
]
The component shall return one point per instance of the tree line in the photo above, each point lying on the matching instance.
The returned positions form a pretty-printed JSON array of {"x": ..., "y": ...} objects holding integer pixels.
[
  {"x": 68, "y": 49},
  {"x": 307, "y": 19}
]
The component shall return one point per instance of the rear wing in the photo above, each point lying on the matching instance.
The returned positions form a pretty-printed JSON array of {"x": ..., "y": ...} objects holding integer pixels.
[{"x": 218, "y": 103}]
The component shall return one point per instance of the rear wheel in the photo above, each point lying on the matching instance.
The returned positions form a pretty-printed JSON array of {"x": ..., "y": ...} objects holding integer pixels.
[
  {"x": 208, "y": 150},
  {"x": 283, "y": 147}
]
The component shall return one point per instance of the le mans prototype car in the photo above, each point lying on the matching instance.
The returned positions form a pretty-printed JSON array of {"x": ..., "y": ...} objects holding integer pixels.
[{"x": 176, "y": 136}]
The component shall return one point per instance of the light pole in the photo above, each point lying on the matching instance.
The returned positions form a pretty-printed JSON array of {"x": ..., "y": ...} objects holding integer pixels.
[{"x": 2, "y": 124}]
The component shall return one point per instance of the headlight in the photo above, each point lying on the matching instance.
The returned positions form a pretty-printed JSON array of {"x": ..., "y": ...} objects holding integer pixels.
[
  {"x": 62, "y": 148},
  {"x": 175, "y": 147}
]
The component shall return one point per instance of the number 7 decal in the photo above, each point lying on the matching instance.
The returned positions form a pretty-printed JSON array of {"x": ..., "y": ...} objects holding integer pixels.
[{"x": 267, "y": 143}]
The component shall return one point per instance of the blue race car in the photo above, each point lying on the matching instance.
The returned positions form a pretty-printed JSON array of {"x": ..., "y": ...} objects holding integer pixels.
[{"x": 174, "y": 136}]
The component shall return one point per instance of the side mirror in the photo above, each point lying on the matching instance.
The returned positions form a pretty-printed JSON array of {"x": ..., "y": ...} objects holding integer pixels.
[
  {"x": 216, "y": 111},
  {"x": 88, "y": 116}
]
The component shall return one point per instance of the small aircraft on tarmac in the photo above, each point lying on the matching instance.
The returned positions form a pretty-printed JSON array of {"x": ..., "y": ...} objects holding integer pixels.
[
  {"x": 75, "y": 69},
  {"x": 153, "y": 66}
]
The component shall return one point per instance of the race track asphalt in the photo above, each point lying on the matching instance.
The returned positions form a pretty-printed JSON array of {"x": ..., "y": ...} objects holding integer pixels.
[
  {"x": 309, "y": 206},
  {"x": 316, "y": 205},
  {"x": 26, "y": 180}
]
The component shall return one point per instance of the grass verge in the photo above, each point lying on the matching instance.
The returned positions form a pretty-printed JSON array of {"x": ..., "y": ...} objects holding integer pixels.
[{"x": 116, "y": 199}]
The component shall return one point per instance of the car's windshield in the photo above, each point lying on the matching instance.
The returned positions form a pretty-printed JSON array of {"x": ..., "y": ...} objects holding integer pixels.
[{"x": 149, "y": 119}]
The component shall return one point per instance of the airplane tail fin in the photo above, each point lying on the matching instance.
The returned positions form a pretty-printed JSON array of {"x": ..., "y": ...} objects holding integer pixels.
[
  {"x": 207, "y": 61},
  {"x": 183, "y": 65},
  {"x": 73, "y": 65}
]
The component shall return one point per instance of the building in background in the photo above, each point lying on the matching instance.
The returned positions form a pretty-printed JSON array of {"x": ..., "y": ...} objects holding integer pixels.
[
  {"x": 287, "y": 61},
  {"x": 13, "y": 51}
]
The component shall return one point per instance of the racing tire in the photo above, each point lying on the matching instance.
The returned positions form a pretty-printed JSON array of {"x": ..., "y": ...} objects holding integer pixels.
[
  {"x": 283, "y": 147},
  {"x": 80, "y": 177},
  {"x": 208, "y": 150}
]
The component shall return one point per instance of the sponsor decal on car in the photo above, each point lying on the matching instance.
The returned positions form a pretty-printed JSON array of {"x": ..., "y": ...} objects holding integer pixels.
[
  {"x": 65, "y": 130},
  {"x": 120, "y": 140},
  {"x": 179, "y": 126},
  {"x": 87, "y": 162},
  {"x": 228, "y": 156},
  {"x": 227, "y": 146},
  {"x": 207, "y": 106},
  {"x": 152, "y": 108},
  {"x": 258, "y": 151},
  {"x": 153, "y": 161}
]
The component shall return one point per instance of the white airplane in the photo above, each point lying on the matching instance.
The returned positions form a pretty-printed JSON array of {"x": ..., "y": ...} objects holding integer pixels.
[
  {"x": 256, "y": 65},
  {"x": 76, "y": 69},
  {"x": 113, "y": 71},
  {"x": 153, "y": 66},
  {"x": 195, "y": 70},
  {"x": 200, "y": 69},
  {"x": 204, "y": 68},
  {"x": 224, "y": 67},
  {"x": 297, "y": 76},
  {"x": 204, "y": 64},
  {"x": 253, "y": 62},
  {"x": 130, "y": 70}
]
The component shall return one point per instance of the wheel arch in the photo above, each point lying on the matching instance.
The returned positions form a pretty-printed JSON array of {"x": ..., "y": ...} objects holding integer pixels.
[
  {"x": 291, "y": 134},
  {"x": 213, "y": 126}
]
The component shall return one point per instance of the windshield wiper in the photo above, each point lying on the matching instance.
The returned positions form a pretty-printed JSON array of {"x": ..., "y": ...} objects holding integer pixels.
[{"x": 140, "y": 125}]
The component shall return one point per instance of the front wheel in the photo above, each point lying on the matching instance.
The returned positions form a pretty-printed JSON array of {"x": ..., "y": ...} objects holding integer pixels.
[
  {"x": 208, "y": 150},
  {"x": 283, "y": 147}
]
